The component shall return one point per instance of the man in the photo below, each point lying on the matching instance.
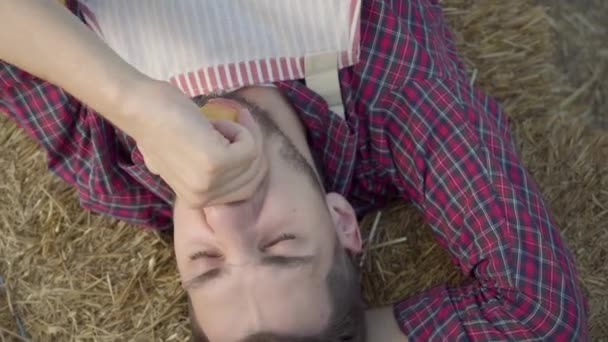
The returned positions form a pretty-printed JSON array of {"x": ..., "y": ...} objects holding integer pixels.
[{"x": 275, "y": 265}]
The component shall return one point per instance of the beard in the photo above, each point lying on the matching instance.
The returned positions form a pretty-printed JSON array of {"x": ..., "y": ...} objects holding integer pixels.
[{"x": 270, "y": 130}]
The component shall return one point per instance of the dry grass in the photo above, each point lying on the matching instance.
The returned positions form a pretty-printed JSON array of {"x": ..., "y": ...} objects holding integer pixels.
[
  {"x": 71, "y": 275},
  {"x": 582, "y": 56}
]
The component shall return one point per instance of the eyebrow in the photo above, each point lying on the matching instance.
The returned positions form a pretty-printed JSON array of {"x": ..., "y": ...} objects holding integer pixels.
[{"x": 280, "y": 261}]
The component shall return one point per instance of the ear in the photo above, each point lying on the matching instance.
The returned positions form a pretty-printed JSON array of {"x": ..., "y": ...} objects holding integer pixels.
[{"x": 345, "y": 222}]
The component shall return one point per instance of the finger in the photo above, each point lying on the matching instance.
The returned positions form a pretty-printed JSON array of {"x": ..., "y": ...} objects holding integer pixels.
[
  {"x": 148, "y": 161},
  {"x": 190, "y": 201},
  {"x": 230, "y": 130},
  {"x": 179, "y": 184},
  {"x": 246, "y": 119},
  {"x": 226, "y": 192},
  {"x": 238, "y": 185},
  {"x": 240, "y": 188},
  {"x": 235, "y": 192},
  {"x": 250, "y": 180},
  {"x": 246, "y": 171},
  {"x": 242, "y": 148},
  {"x": 181, "y": 188},
  {"x": 242, "y": 192},
  {"x": 200, "y": 196},
  {"x": 197, "y": 186}
]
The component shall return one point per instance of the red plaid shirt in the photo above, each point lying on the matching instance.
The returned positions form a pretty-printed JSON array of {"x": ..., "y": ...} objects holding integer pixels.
[{"x": 415, "y": 129}]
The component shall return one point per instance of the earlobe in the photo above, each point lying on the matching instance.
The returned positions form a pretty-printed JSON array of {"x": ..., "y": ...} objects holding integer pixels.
[{"x": 345, "y": 222}]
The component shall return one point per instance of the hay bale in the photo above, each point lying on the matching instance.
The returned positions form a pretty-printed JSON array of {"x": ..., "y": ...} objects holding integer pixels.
[{"x": 73, "y": 275}]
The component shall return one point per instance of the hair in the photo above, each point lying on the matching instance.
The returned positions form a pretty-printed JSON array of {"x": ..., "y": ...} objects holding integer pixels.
[{"x": 346, "y": 323}]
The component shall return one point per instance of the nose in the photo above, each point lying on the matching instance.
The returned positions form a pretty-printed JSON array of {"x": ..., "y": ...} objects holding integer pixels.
[{"x": 237, "y": 217}]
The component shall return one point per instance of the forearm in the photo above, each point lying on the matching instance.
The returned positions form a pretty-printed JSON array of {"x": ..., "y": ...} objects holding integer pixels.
[{"x": 45, "y": 39}]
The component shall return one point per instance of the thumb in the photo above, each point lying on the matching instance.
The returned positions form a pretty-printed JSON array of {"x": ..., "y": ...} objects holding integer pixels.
[
  {"x": 232, "y": 131},
  {"x": 235, "y": 131},
  {"x": 242, "y": 145}
]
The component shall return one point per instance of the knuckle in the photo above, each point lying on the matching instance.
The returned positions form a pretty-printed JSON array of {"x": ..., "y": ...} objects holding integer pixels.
[
  {"x": 249, "y": 189},
  {"x": 213, "y": 166},
  {"x": 201, "y": 184},
  {"x": 200, "y": 198}
]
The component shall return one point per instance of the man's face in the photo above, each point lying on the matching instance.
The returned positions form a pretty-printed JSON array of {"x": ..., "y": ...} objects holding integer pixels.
[{"x": 261, "y": 264}]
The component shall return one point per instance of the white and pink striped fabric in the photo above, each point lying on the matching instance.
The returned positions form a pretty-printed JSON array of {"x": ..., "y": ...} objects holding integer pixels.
[{"x": 206, "y": 46}]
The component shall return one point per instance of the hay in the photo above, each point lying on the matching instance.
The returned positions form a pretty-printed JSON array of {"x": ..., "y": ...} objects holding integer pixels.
[
  {"x": 73, "y": 275},
  {"x": 582, "y": 56}
]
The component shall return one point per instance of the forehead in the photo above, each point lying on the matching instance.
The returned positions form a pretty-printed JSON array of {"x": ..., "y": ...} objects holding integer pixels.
[{"x": 258, "y": 299}]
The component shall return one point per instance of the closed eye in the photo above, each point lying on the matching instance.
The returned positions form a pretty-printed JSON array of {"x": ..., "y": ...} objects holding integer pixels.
[
  {"x": 204, "y": 255},
  {"x": 214, "y": 255},
  {"x": 281, "y": 238}
]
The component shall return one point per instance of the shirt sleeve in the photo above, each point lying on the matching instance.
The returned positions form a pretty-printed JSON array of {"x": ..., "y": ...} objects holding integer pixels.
[
  {"x": 453, "y": 157},
  {"x": 85, "y": 150},
  {"x": 47, "y": 114}
]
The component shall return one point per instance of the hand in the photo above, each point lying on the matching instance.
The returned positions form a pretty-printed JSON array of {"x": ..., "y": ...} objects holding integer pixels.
[{"x": 205, "y": 163}]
